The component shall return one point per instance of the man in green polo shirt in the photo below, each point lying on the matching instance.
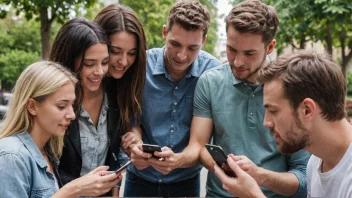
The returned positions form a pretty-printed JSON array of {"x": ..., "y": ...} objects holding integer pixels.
[{"x": 228, "y": 105}]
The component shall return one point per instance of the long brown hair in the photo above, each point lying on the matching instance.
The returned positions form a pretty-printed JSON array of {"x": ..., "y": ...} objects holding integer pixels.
[{"x": 117, "y": 18}]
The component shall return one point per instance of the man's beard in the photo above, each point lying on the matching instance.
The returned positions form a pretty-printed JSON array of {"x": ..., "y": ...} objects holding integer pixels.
[{"x": 297, "y": 137}]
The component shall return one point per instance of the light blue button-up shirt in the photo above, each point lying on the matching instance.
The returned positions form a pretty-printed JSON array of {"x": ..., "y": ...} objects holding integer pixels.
[
  {"x": 167, "y": 110},
  {"x": 23, "y": 169}
]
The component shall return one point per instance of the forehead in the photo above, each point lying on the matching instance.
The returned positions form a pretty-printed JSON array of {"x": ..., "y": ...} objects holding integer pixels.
[
  {"x": 65, "y": 92},
  {"x": 124, "y": 40},
  {"x": 185, "y": 37},
  {"x": 98, "y": 49},
  {"x": 244, "y": 41},
  {"x": 274, "y": 93}
]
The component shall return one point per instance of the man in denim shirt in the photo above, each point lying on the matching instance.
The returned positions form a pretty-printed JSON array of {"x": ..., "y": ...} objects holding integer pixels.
[
  {"x": 228, "y": 105},
  {"x": 172, "y": 74}
]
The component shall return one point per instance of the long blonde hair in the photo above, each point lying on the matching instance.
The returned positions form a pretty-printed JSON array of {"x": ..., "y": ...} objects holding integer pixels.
[{"x": 37, "y": 81}]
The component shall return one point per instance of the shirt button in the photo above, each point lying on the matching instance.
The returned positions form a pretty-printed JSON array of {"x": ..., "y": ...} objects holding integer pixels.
[
  {"x": 176, "y": 87},
  {"x": 160, "y": 180},
  {"x": 172, "y": 131},
  {"x": 175, "y": 103},
  {"x": 172, "y": 125},
  {"x": 174, "y": 111},
  {"x": 251, "y": 113},
  {"x": 253, "y": 95}
]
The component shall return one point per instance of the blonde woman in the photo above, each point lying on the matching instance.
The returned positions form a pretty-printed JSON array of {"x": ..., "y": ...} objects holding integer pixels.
[{"x": 31, "y": 138}]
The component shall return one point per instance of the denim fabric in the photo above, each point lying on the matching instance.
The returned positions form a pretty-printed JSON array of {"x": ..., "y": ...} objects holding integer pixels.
[
  {"x": 23, "y": 169},
  {"x": 236, "y": 108},
  {"x": 167, "y": 109},
  {"x": 138, "y": 187}
]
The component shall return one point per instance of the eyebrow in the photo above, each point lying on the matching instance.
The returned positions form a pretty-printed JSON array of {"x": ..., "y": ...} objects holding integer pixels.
[
  {"x": 246, "y": 51},
  {"x": 93, "y": 60},
  {"x": 269, "y": 105},
  {"x": 121, "y": 48},
  {"x": 194, "y": 45}
]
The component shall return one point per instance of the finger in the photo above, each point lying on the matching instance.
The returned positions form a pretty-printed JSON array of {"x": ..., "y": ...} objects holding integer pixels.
[
  {"x": 139, "y": 152},
  {"x": 235, "y": 158},
  {"x": 109, "y": 177},
  {"x": 158, "y": 162},
  {"x": 98, "y": 169},
  {"x": 220, "y": 173},
  {"x": 234, "y": 167},
  {"x": 165, "y": 153}
]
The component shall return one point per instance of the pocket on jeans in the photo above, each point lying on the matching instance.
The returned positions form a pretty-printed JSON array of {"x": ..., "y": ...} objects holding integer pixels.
[{"x": 132, "y": 177}]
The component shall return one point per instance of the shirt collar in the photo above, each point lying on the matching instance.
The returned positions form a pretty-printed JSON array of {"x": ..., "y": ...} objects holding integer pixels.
[
  {"x": 33, "y": 149},
  {"x": 160, "y": 67}
]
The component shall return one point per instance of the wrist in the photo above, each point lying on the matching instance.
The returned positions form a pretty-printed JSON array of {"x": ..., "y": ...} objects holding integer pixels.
[
  {"x": 70, "y": 190},
  {"x": 260, "y": 176}
]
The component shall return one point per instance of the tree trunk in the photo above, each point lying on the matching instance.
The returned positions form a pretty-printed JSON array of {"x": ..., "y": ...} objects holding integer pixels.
[
  {"x": 328, "y": 37},
  {"x": 302, "y": 41},
  {"x": 45, "y": 26},
  {"x": 345, "y": 58}
]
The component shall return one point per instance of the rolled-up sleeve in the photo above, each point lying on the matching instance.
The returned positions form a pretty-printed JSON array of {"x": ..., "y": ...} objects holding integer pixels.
[
  {"x": 15, "y": 177},
  {"x": 297, "y": 164}
]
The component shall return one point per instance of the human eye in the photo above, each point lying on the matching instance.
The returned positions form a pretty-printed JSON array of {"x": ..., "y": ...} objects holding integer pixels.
[
  {"x": 114, "y": 51},
  {"x": 131, "y": 53},
  {"x": 61, "y": 107},
  {"x": 249, "y": 54},
  {"x": 87, "y": 64},
  {"x": 175, "y": 44}
]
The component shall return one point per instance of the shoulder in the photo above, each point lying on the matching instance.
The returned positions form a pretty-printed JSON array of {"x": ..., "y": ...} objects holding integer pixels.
[
  {"x": 216, "y": 73},
  {"x": 154, "y": 53},
  {"x": 205, "y": 58},
  {"x": 12, "y": 149}
]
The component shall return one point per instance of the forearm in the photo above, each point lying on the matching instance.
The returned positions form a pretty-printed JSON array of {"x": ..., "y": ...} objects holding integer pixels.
[
  {"x": 190, "y": 155},
  {"x": 206, "y": 160},
  {"x": 285, "y": 184},
  {"x": 67, "y": 191}
]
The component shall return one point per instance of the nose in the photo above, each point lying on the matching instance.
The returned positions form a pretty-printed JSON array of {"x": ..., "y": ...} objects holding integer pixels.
[
  {"x": 99, "y": 70},
  {"x": 123, "y": 60},
  {"x": 267, "y": 122},
  {"x": 238, "y": 61},
  {"x": 181, "y": 55},
  {"x": 70, "y": 114}
]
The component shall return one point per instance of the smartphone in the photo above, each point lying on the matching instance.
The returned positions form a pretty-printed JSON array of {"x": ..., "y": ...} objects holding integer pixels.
[
  {"x": 151, "y": 148},
  {"x": 123, "y": 167},
  {"x": 220, "y": 158}
]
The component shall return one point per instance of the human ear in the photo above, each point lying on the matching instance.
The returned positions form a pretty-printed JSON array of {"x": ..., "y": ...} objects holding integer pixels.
[
  {"x": 31, "y": 106},
  {"x": 309, "y": 108},
  {"x": 164, "y": 32},
  {"x": 271, "y": 46}
]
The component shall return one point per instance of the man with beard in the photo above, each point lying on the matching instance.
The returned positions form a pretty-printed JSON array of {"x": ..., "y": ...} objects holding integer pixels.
[
  {"x": 304, "y": 97},
  {"x": 228, "y": 105}
]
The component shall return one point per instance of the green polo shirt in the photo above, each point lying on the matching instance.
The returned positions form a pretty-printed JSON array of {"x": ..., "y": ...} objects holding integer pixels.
[{"x": 236, "y": 108}]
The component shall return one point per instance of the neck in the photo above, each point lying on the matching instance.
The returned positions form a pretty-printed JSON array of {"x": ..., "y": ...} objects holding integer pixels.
[
  {"x": 330, "y": 141},
  {"x": 93, "y": 94},
  {"x": 39, "y": 138}
]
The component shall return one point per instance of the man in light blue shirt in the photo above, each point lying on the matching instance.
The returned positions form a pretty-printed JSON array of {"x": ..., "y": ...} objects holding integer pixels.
[
  {"x": 228, "y": 105},
  {"x": 167, "y": 106}
]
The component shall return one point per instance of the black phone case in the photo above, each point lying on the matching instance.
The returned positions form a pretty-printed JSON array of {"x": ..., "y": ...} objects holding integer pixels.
[
  {"x": 151, "y": 148},
  {"x": 217, "y": 153}
]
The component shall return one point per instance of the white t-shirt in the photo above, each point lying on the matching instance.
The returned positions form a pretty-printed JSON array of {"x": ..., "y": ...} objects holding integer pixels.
[{"x": 337, "y": 182}]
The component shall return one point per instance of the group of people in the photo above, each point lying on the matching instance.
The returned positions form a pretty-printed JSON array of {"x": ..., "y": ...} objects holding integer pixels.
[{"x": 76, "y": 118}]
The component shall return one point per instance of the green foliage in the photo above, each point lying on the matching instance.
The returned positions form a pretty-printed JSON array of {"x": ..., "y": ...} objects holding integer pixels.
[
  {"x": 349, "y": 83},
  {"x": 153, "y": 15},
  {"x": 60, "y": 10},
  {"x": 14, "y": 62},
  {"x": 328, "y": 21}
]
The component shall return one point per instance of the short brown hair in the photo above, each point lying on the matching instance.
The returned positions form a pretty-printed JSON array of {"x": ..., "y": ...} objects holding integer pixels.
[
  {"x": 306, "y": 74},
  {"x": 255, "y": 17},
  {"x": 190, "y": 15}
]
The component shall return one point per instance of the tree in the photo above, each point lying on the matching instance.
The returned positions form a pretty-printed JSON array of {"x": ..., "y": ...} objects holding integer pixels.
[
  {"x": 327, "y": 21},
  {"x": 153, "y": 15},
  {"x": 46, "y": 11}
]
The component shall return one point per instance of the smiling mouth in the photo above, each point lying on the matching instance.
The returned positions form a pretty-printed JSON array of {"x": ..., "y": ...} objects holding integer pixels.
[{"x": 118, "y": 68}]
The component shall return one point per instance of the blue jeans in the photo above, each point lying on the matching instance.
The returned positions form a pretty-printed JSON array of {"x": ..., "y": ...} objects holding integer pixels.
[{"x": 138, "y": 187}]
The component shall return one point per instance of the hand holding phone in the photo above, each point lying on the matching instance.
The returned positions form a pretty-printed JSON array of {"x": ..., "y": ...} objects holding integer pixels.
[
  {"x": 151, "y": 148},
  {"x": 220, "y": 158}
]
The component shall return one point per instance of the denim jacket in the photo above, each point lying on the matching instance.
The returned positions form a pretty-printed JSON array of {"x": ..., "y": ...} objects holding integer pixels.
[{"x": 23, "y": 169}]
